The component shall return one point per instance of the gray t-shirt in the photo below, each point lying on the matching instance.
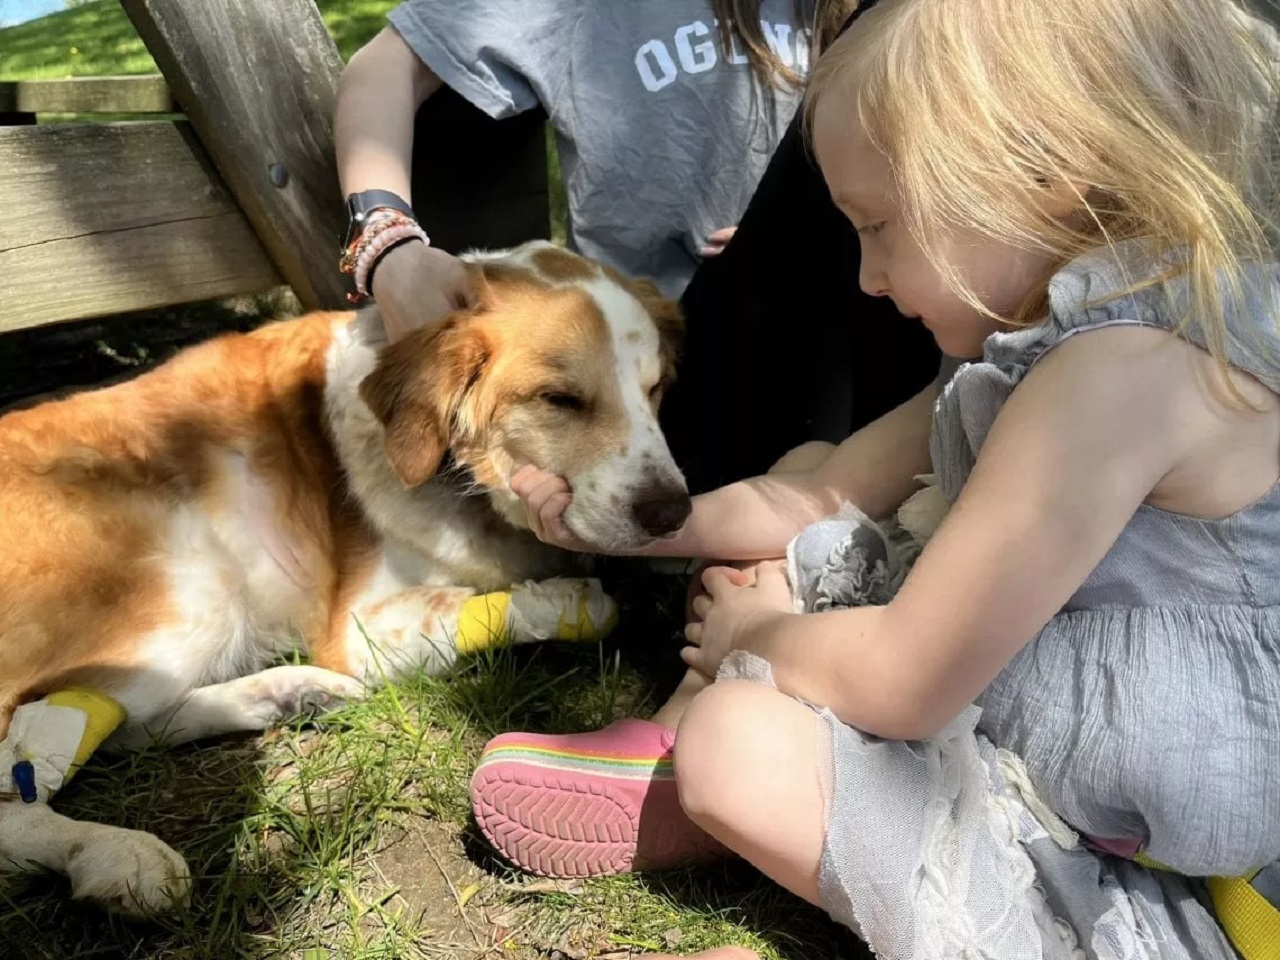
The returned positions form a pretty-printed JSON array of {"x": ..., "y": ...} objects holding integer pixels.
[{"x": 662, "y": 136}]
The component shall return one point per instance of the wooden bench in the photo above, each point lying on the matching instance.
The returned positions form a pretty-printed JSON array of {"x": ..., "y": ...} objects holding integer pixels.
[{"x": 221, "y": 180}]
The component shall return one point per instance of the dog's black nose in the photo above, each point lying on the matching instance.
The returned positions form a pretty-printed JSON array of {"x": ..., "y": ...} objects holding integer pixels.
[{"x": 661, "y": 510}]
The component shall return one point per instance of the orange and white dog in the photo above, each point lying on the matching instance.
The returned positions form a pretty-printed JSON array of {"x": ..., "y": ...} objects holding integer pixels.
[{"x": 165, "y": 540}]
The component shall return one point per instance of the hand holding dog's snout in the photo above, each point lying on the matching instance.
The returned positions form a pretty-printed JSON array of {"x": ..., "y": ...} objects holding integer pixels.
[
  {"x": 416, "y": 285},
  {"x": 546, "y": 497}
]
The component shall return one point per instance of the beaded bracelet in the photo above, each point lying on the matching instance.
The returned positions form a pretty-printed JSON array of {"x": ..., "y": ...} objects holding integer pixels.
[{"x": 384, "y": 230}]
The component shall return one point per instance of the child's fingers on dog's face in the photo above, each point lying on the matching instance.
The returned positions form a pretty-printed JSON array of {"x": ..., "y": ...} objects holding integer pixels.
[
  {"x": 541, "y": 493},
  {"x": 529, "y": 478},
  {"x": 555, "y": 487},
  {"x": 551, "y": 514},
  {"x": 523, "y": 480},
  {"x": 534, "y": 497}
]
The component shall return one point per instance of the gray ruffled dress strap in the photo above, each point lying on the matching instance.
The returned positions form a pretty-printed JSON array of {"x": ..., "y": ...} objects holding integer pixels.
[{"x": 1089, "y": 294}]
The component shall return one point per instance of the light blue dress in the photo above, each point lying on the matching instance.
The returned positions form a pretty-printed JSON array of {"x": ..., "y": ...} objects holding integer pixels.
[{"x": 1145, "y": 715}]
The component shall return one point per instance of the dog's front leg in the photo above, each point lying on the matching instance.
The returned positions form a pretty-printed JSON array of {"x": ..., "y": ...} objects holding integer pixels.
[
  {"x": 44, "y": 745},
  {"x": 124, "y": 870},
  {"x": 243, "y": 705},
  {"x": 385, "y": 635},
  {"x": 427, "y": 628}
]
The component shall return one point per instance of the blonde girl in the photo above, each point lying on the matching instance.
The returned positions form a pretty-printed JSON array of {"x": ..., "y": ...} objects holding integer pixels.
[{"x": 1071, "y": 705}]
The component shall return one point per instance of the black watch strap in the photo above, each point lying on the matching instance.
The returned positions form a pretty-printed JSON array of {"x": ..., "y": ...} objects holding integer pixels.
[{"x": 360, "y": 205}]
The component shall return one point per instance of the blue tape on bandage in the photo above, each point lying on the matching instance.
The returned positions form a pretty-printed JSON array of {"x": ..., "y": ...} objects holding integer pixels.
[{"x": 24, "y": 778}]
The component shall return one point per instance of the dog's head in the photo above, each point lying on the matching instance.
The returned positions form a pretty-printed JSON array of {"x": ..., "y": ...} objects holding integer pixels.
[{"x": 561, "y": 364}]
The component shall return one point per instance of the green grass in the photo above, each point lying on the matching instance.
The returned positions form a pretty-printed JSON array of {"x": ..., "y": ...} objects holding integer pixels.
[
  {"x": 352, "y": 838},
  {"x": 97, "y": 39}
]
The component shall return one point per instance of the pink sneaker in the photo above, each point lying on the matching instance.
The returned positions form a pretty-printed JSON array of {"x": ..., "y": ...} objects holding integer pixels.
[{"x": 587, "y": 804}]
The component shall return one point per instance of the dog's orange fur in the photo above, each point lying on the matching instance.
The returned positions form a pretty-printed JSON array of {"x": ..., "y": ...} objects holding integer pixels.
[
  {"x": 92, "y": 478},
  {"x": 168, "y": 539},
  {"x": 88, "y": 484}
]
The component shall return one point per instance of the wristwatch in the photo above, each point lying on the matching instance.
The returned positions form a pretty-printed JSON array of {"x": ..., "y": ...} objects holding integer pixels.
[{"x": 360, "y": 205}]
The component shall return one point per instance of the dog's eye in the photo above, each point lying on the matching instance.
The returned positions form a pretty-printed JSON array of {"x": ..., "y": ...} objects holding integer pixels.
[
  {"x": 656, "y": 390},
  {"x": 565, "y": 401}
]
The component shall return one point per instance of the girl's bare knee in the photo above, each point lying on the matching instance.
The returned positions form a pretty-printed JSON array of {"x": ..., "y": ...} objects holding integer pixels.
[{"x": 716, "y": 751}]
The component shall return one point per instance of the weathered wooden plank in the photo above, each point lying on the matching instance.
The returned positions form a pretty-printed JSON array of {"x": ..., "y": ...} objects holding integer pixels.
[
  {"x": 258, "y": 82},
  {"x": 145, "y": 94},
  {"x": 101, "y": 177},
  {"x": 107, "y": 217}
]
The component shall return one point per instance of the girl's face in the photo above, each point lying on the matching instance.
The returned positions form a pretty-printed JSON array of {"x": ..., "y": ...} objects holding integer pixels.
[{"x": 893, "y": 264}]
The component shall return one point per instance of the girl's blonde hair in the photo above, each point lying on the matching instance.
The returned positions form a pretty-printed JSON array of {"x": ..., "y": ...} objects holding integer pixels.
[{"x": 1159, "y": 112}]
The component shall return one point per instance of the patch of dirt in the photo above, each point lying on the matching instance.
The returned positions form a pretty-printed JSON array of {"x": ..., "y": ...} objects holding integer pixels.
[
  {"x": 439, "y": 888},
  {"x": 470, "y": 914}
]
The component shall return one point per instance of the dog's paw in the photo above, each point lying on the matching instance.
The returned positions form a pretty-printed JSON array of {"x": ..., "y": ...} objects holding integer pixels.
[
  {"x": 283, "y": 693},
  {"x": 127, "y": 871},
  {"x": 565, "y": 608}
]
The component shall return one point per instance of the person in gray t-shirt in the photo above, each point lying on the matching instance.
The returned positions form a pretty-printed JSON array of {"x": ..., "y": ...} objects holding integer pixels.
[
  {"x": 664, "y": 120},
  {"x": 670, "y": 117}
]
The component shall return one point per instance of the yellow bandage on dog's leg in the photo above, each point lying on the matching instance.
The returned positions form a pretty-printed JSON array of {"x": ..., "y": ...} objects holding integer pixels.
[
  {"x": 484, "y": 623},
  {"x": 50, "y": 739},
  {"x": 559, "y": 609},
  {"x": 103, "y": 716}
]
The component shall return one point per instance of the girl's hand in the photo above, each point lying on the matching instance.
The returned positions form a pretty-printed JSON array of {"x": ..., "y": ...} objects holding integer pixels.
[
  {"x": 718, "y": 241},
  {"x": 736, "y": 602},
  {"x": 546, "y": 497},
  {"x": 416, "y": 285}
]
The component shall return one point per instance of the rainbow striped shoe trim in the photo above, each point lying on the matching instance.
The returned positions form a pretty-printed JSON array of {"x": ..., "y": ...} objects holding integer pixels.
[{"x": 588, "y": 804}]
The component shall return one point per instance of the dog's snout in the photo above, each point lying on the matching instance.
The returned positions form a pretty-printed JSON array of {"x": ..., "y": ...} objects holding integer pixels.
[{"x": 661, "y": 510}]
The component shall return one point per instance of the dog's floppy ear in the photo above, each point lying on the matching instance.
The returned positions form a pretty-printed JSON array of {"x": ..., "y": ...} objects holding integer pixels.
[
  {"x": 667, "y": 317},
  {"x": 416, "y": 389}
]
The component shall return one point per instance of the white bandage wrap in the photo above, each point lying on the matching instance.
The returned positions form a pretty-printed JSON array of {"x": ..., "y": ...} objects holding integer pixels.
[{"x": 49, "y": 737}]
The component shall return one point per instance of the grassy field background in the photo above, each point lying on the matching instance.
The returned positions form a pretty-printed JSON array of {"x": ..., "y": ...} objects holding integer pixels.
[
  {"x": 352, "y": 838},
  {"x": 96, "y": 39}
]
